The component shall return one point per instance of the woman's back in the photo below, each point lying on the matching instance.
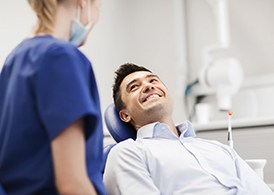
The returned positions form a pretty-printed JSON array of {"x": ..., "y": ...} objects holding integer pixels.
[{"x": 45, "y": 85}]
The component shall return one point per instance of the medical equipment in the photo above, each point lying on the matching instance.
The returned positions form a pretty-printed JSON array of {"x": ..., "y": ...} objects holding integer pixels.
[
  {"x": 224, "y": 75},
  {"x": 229, "y": 138}
]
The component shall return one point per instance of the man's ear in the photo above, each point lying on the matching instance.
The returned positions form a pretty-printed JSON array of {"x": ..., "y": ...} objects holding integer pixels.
[{"x": 124, "y": 116}]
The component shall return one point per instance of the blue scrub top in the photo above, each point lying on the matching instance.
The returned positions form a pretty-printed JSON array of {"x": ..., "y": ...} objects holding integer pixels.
[{"x": 45, "y": 85}]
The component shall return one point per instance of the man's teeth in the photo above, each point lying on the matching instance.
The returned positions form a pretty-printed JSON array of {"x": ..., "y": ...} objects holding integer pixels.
[{"x": 152, "y": 96}]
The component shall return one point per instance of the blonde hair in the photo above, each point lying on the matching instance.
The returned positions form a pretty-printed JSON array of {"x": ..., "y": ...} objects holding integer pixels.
[{"x": 45, "y": 11}]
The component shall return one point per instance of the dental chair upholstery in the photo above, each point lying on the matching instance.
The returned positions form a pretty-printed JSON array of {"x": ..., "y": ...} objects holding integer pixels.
[{"x": 118, "y": 129}]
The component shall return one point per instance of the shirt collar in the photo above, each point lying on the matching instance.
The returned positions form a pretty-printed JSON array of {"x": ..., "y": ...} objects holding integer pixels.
[
  {"x": 186, "y": 129},
  {"x": 162, "y": 130}
]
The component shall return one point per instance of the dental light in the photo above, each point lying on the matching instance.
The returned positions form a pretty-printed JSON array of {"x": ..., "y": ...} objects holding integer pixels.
[{"x": 222, "y": 75}]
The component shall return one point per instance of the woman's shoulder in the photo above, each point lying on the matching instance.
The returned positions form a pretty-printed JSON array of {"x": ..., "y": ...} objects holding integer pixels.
[
  {"x": 52, "y": 48},
  {"x": 48, "y": 45},
  {"x": 57, "y": 46}
]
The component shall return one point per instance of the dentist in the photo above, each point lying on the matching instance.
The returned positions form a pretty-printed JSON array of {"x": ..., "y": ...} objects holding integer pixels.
[{"x": 51, "y": 136}]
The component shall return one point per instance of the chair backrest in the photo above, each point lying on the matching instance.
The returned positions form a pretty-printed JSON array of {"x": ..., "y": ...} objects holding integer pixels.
[
  {"x": 118, "y": 129},
  {"x": 105, "y": 156}
]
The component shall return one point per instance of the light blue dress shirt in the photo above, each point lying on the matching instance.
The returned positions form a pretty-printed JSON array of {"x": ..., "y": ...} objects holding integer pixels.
[{"x": 159, "y": 162}]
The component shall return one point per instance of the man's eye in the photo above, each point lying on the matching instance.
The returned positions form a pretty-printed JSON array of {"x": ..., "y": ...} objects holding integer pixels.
[
  {"x": 132, "y": 87},
  {"x": 153, "y": 80}
]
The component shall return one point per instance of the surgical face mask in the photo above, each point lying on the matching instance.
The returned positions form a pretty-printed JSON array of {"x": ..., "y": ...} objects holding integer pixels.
[{"x": 78, "y": 31}]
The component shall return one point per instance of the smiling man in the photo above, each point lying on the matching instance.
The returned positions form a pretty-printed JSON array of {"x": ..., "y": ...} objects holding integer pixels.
[
  {"x": 165, "y": 158},
  {"x": 147, "y": 100}
]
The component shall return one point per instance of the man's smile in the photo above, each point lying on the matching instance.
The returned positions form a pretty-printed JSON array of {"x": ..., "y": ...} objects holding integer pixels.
[{"x": 151, "y": 96}]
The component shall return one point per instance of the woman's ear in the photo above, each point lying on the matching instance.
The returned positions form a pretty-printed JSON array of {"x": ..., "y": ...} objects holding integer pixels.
[{"x": 124, "y": 116}]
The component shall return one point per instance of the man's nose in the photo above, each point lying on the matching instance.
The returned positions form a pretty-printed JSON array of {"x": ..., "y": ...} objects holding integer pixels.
[{"x": 147, "y": 87}]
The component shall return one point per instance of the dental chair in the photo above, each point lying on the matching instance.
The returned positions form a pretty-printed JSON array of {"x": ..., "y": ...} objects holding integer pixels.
[{"x": 118, "y": 129}]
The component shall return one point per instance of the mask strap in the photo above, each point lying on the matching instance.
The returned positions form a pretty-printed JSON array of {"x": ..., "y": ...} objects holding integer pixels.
[
  {"x": 90, "y": 24},
  {"x": 78, "y": 16},
  {"x": 89, "y": 12}
]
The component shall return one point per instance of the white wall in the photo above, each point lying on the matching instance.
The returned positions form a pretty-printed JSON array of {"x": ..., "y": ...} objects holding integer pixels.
[{"x": 16, "y": 21}]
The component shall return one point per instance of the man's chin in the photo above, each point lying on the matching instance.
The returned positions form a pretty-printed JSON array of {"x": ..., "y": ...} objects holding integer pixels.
[{"x": 155, "y": 108}]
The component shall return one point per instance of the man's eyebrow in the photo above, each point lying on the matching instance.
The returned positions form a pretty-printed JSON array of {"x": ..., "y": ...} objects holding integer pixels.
[
  {"x": 130, "y": 83},
  {"x": 152, "y": 75},
  {"x": 135, "y": 80}
]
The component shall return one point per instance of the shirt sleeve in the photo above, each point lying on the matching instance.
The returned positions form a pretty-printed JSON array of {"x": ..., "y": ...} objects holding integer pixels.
[
  {"x": 126, "y": 171},
  {"x": 62, "y": 89},
  {"x": 249, "y": 178}
]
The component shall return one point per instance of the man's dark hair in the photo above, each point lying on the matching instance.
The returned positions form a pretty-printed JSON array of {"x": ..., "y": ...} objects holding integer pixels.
[{"x": 121, "y": 73}]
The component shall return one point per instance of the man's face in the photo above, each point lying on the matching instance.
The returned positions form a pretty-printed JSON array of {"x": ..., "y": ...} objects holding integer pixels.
[{"x": 146, "y": 99}]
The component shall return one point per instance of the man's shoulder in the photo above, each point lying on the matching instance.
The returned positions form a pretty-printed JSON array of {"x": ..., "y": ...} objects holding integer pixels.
[
  {"x": 127, "y": 147},
  {"x": 126, "y": 144}
]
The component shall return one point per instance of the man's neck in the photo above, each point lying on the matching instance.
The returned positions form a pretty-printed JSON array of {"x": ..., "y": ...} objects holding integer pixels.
[
  {"x": 172, "y": 126},
  {"x": 169, "y": 122}
]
